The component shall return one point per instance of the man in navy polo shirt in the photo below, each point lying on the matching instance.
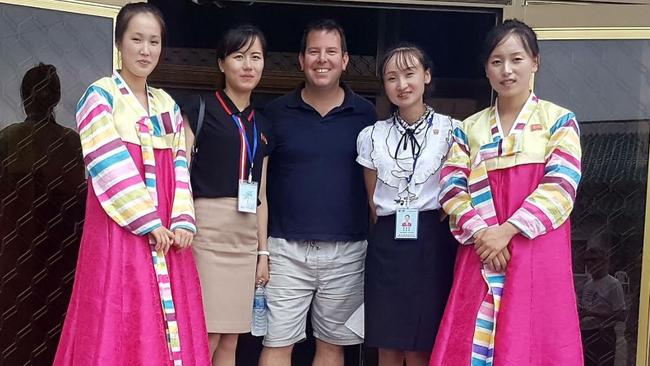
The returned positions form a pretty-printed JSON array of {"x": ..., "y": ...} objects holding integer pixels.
[{"x": 318, "y": 217}]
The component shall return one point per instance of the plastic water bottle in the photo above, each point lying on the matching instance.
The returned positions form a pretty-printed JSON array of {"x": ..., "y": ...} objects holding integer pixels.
[{"x": 258, "y": 328}]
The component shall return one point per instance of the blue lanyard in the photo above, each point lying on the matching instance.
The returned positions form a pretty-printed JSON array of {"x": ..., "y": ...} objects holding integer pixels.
[{"x": 242, "y": 132}]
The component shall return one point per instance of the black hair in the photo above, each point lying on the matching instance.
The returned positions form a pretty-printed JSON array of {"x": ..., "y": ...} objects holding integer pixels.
[
  {"x": 237, "y": 38},
  {"x": 327, "y": 25},
  {"x": 502, "y": 31},
  {"x": 40, "y": 91},
  {"x": 405, "y": 54},
  {"x": 128, "y": 11}
]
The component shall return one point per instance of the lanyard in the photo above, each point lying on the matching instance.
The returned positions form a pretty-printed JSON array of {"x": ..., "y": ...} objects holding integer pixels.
[
  {"x": 244, "y": 141},
  {"x": 243, "y": 138}
]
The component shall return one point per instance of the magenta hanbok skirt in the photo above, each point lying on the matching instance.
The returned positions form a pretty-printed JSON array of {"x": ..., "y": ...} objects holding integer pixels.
[
  {"x": 537, "y": 324},
  {"x": 115, "y": 314}
]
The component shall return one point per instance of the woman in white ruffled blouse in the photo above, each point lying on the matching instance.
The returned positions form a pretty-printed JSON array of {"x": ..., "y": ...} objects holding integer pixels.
[{"x": 411, "y": 252}]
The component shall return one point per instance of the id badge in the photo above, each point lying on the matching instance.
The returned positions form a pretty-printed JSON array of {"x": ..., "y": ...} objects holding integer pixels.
[
  {"x": 247, "y": 197},
  {"x": 406, "y": 223}
]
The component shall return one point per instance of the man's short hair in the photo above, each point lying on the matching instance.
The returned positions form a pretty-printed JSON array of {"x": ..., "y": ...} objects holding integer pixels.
[{"x": 327, "y": 25}]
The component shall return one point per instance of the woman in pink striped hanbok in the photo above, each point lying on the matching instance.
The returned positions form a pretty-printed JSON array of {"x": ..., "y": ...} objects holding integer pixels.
[
  {"x": 136, "y": 299},
  {"x": 509, "y": 186}
]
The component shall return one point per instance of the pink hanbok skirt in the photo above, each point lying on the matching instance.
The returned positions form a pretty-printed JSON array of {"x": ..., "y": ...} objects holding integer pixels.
[
  {"x": 537, "y": 324},
  {"x": 115, "y": 315}
]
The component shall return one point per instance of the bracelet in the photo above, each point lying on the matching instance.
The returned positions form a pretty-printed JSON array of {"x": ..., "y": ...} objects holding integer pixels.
[{"x": 263, "y": 252}]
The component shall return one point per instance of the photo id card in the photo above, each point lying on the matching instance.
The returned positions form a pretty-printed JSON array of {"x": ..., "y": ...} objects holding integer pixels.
[
  {"x": 406, "y": 223},
  {"x": 247, "y": 197}
]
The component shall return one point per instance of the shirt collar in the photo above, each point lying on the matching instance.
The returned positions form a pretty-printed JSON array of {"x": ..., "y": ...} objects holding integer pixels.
[
  {"x": 295, "y": 100},
  {"x": 230, "y": 105}
]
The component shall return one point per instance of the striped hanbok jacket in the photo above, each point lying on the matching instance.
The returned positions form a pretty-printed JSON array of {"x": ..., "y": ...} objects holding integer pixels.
[{"x": 109, "y": 117}]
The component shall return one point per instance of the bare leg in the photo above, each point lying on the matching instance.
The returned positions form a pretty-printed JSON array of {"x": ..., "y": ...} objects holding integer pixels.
[
  {"x": 417, "y": 358},
  {"x": 328, "y": 354},
  {"x": 276, "y": 356},
  {"x": 213, "y": 343},
  {"x": 226, "y": 350},
  {"x": 390, "y": 357}
]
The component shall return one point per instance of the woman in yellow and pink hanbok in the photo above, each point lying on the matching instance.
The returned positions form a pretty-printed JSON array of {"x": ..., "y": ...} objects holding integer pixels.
[
  {"x": 134, "y": 303},
  {"x": 509, "y": 186}
]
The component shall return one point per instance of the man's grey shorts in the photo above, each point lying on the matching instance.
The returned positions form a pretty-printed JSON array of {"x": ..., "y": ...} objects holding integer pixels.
[{"x": 328, "y": 276}]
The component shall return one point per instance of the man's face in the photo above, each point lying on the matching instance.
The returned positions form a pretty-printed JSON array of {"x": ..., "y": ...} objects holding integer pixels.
[{"x": 323, "y": 61}]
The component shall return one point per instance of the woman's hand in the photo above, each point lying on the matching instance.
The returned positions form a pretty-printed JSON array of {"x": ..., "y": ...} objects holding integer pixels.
[
  {"x": 183, "y": 238},
  {"x": 478, "y": 235},
  {"x": 490, "y": 242},
  {"x": 163, "y": 239},
  {"x": 262, "y": 271},
  {"x": 500, "y": 262}
]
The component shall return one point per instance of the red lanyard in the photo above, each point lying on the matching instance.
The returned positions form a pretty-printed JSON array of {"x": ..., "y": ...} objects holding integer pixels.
[{"x": 244, "y": 146}]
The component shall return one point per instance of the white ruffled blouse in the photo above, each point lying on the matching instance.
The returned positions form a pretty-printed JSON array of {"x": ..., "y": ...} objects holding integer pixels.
[{"x": 378, "y": 149}]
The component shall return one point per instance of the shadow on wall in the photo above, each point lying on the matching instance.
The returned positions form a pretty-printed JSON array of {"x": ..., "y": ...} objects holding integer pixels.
[{"x": 42, "y": 191}]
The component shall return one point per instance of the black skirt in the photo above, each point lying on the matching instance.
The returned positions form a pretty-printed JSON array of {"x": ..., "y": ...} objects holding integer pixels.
[{"x": 407, "y": 283}]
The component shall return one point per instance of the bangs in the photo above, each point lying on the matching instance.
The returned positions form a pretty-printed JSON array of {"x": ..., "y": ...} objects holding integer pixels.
[
  {"x": 406, "y": 56},
  {"x": 240, "y": 38},
  {"x": 244, "y": 42},
  {"x": 406, "y": 59}
]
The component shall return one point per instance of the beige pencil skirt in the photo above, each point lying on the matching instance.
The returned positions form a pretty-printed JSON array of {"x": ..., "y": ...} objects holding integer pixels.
[{"x": 225, "y": 251}]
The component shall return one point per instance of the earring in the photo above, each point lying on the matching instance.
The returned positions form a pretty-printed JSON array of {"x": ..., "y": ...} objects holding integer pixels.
[{"x": 531, "y": 84}]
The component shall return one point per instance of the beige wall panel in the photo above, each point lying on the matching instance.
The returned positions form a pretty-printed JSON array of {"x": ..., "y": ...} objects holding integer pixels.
[
  {"x": 545, "y": 15},
  {"x": 110, "y": 2}
]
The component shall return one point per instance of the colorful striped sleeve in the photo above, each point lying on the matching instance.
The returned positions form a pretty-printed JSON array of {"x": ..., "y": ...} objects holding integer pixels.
[
  {"x": 183, "y": 207},
  {"x": 455, "y": 199},
  {"x": 550, "y": 205},
  {"x": 115, "y": 179}
]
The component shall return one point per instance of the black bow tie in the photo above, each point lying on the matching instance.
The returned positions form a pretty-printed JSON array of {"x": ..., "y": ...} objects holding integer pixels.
[{"x": 409, "y": 135}]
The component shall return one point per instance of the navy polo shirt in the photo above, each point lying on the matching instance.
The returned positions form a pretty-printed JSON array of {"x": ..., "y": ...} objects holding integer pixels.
[{"x": 315, "y": 187}]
